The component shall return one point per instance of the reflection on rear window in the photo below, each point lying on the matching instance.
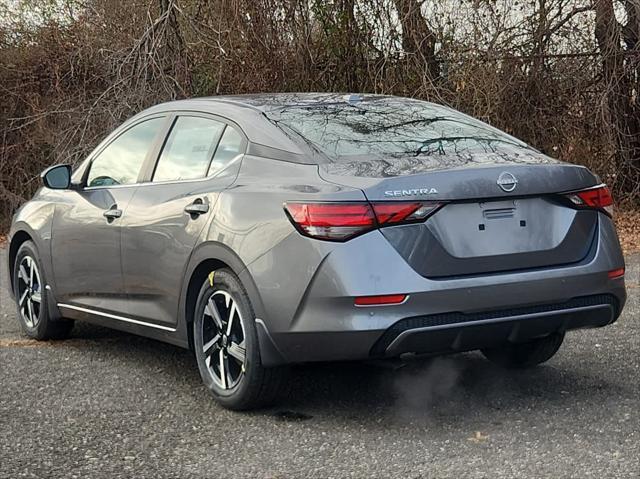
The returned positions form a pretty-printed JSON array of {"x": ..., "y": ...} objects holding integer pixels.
[{"x": 390, "y": 128}]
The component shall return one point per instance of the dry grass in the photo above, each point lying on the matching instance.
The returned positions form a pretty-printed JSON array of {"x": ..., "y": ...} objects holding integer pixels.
[{"x": 21, "y": 343}]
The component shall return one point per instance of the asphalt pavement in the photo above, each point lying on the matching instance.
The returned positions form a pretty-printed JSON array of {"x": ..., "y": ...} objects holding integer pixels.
[{"x": 108, "y": 404}]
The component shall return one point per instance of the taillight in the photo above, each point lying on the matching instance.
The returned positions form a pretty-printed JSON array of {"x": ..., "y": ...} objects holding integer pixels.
[
  {"x": 342, "y": 221},
  {"x": 331, "y": 221},
  {"x": 391, "y": 213},
  {"x": 598, "y": 197}
]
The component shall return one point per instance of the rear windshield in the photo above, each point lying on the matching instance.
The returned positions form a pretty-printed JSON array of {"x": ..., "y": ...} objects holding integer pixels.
[{"x": 388, "y": 128}]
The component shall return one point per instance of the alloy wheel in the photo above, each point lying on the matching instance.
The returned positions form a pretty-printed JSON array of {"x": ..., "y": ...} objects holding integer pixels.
[
  {"x": 29, "y": 291},
  {"x": 223, "y": 339}
]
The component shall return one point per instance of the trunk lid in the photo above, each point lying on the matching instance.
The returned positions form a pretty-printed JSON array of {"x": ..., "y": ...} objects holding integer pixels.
[
  {"x": 497, "y": 217},
  {"x": 453, "y": 179}
]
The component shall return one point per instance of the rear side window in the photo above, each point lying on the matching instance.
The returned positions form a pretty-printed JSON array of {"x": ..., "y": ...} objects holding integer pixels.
[
  {"x": 230, "y": 146},
  {"x": 189, "y": 149},
  {"x": 121, "y": 161}
]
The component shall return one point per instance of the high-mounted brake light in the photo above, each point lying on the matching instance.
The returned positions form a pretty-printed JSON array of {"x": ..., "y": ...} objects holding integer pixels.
[
  {"x": 342, "y": 221},
  {"x": 598, "y": 197}
]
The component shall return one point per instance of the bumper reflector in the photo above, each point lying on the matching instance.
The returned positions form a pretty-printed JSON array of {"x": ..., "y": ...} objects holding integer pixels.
[
  {"x": 616, "y": 273},
  {"x": 380, "y": 300}
]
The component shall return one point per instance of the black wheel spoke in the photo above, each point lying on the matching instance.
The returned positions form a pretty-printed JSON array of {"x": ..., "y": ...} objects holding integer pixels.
[
  {"x": 209, "y": 347},
  {"x": 223, "y": 370},
  {"x": 211, "y": 310}
]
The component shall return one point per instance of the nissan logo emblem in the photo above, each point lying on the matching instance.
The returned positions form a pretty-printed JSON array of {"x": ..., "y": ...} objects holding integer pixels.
[{"x": 507, "y": 181}]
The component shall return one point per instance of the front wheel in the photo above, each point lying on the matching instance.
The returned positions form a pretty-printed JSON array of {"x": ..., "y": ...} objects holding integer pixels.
[
  {"x": 525, "y": 355},
  {"x": 29, "y": 286},
  {"x": 226, "y": 346}
]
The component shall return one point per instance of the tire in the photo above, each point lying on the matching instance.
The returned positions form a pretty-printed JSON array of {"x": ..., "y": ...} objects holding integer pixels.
[
  {"x": 525, "y": 355},
  {"x": 31, "y": 297},
  {"x": 232, "y": 352}
]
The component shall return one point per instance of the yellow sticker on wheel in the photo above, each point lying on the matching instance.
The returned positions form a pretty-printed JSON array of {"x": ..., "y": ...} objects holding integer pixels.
[{"x": 211, "y": 278}]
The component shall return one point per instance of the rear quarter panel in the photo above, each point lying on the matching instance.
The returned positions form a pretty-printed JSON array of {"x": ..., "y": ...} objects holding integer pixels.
[{"x": 250, "y": 221}]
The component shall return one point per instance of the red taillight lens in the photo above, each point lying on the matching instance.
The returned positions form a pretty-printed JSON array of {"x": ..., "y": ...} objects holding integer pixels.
[
  {"x": 598, "y": 197},
  {"x": 341, "y": 221},
  {"x": 403, "y": 212},
  {"x": 332, "y": 221}
]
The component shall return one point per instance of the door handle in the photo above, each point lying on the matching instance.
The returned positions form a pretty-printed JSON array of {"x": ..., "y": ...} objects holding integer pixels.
[
  {"x": 112, "y": 214},
  {"x": 197, "y": 208}
]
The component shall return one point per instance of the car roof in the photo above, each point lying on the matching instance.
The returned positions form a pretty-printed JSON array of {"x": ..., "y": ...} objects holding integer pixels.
[
  {"x": 251, "y": 119},
  {"x": 272, "y": 101},
  {"x": 251, "y": 112},
  {"x": 265, "y": 102}
]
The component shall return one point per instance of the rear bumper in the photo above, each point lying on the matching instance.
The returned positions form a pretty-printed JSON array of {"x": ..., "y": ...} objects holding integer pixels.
[
  {"x": 450, "y": 332},
  {"x": 440, "y": 316},
  {"x": 465, "y": 332}
]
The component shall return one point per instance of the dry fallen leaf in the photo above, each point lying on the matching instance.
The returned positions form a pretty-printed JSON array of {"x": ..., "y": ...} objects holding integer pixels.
[
  {"x": 478, "y": 437},
  {"x": 628, "y": 226}
]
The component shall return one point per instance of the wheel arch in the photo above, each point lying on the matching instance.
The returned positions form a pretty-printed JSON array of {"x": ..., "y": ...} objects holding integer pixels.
[
  {"x": 17, "y": 239},
  {"x": 209, "y": 257}
]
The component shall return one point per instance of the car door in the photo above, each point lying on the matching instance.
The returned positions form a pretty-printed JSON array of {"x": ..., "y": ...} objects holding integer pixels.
[
  {"x": 86, "y": 239},
  {"x": 167, "y": 214}
]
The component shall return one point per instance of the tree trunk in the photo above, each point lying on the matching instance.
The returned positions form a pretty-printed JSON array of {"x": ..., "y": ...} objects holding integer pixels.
[
  {"x": 620, "y": 68},
  {"x": 418, "y": 40}
]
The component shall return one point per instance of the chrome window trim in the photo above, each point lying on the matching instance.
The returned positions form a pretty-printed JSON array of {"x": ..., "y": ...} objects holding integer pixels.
[{"x": 128, "y": 185}]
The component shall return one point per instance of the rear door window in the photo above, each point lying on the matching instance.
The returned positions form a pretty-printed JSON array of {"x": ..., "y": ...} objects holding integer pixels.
[{"x": 189, "y": 149}]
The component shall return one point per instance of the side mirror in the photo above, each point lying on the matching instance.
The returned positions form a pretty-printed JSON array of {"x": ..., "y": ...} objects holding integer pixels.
[{"x": 57, "y": 177}]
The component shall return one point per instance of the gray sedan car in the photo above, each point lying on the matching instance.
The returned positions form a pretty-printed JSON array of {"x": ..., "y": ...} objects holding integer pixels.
[{"x": 272, "y": 229}]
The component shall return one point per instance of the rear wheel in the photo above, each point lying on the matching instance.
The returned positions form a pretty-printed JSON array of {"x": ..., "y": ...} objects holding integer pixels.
[
  {"x": 226, "y": 346},
  {"x": 525, "y": 355},
  {"x": 29, "y": 285}
]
